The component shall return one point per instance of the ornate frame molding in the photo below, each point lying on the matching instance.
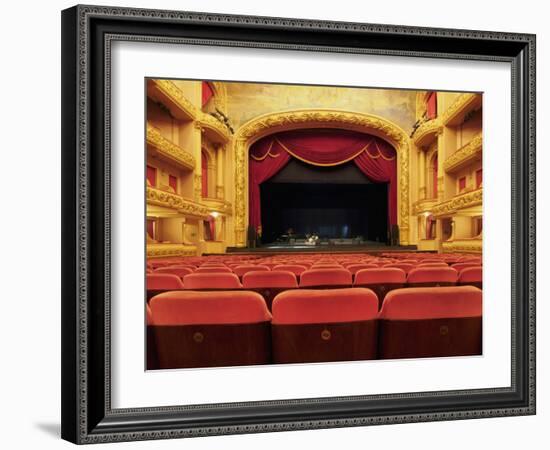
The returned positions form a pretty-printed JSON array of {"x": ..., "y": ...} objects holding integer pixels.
[{"x": 271, "y": 123}]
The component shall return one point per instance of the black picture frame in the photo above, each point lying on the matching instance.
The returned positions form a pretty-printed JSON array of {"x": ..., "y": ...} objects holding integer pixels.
[{"x": 87, "y": 33}]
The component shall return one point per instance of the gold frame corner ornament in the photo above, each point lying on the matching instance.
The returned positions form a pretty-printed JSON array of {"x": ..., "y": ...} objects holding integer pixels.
[{"x": 271, "y": 123}]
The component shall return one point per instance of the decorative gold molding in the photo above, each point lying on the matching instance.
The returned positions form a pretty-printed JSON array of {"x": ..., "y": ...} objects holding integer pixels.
[
  {"x": 218, "y": 205},
  {"x": 424, "y": 205},
  {"x": 197, "y": 185},
  {"x": 463, "y": 245},
  {"x": 459, "y": 202},
  {"x": 427, "y": 132},
  {"x": 464, "y": 155},
  {"x": 464, "y": 103},
  {"x": 172, "y": 97},
  {"x": 173, "y": 201},
  {"x": 160, "y": 250},
  {"x": 220, "y": 99},
  {"x": 216, "y": 130},
  {"x": 267, "y": 124},
  {"x": 159, "y": 145}
]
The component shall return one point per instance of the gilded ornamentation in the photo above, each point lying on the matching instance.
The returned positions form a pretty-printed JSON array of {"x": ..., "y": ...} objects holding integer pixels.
[
  {"x": 464, "y": 155},
  {"x": 219, "y": 130},
  {"x": 281, "y": 121},
  {"x": 219, "y": 205},
  {"x": 168, "y": 149},
  {"x": 424, "y": 205},
  {"x": 427, "y": 129},
  {"x": 460, "y": 105},
  {"x": 168, "y": 89},
  {"x": 462, "y": 201},
  {"x": 220, "y": 99},
  {"x": 197, "y": 185},
  {"x": 161, "y": 250},
  {"x": 173, "y": 201},
  {"x": 463, "y": 245}
]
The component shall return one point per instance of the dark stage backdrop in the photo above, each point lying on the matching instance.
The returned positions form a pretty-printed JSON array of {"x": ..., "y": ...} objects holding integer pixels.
[{"x": 331, "y": 210}]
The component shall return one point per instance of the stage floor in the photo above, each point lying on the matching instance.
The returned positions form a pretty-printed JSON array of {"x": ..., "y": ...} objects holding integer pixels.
[{"x": 371, "y": 247}]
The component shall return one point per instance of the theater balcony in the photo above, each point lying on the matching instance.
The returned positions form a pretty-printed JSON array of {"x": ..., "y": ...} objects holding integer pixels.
[
  {"x": 216, "y": 131},
  {"x": 467, "y": 202},
  {"x": 160, "y": 147},
  {"x": 427, "y": 132},
  {"x": 424, "y": 206},
  {"x": 158, "y": 250},
  {"x": 464, "y": 104},
  {"x": 175, "y": 203},
  {"x": 464, "y": 156},
  {"x": 171, "y": 97},
  {"x": 218, "y": 205},
  {"x": 466, "y": 245}
]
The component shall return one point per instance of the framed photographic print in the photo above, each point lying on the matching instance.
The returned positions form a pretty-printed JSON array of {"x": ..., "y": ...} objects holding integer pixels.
[{"x": 281, "y": 224}]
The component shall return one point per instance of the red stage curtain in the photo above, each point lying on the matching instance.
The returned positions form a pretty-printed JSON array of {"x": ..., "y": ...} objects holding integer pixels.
[
  {"x": 207, "y": 92},
  {"x": 431, "y": 105},
  {"x": 321, "y": 147}
]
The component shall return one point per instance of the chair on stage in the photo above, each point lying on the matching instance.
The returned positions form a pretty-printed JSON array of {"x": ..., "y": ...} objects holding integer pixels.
[
  {"x": 210, "y": 329},
  {"x": 324, "y": 325},
  {"x": 157, "y": 283},
  {"x": 432, "y": 276},
  {"x": 381, "y": 280},
  {"x": 211, "y": 281},
  {"x": 430, "y": 322},
  {"x": 269, "y": 284},
  {"x": 325, "y": 278}
]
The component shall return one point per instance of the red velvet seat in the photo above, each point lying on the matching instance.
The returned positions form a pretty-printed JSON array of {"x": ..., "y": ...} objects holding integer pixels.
[
  {"x": 161, "y": 282},
  {"x": 320, "y": 278},
  {"x": 354, "y": 268},
  {"x": 471, "y": 276},
  {"x": 326, "y": 266},
  {"x": 430, "y": 322},
  {"x": 176, "y": 270},
  {"x": 244, "y": 268},
  {"x": 296, "y": 269},
  {"x": 429, "y": 260},
  {"x": 460, "y": 266},
  {"x": 151, "y": 350},
  {"x": 210, "y": 329},
  {"x": 324, "y": 325},
  {"x": 381, "y": 280},
  {"x": 432, "y": 264},
  {"x": 432, "y": 276},
  {"x": 215, "y": 269},
  {"x": 405, "y": 267},
  {"x": 211, "y": 281},
  {"x": 269, "y": 284}
]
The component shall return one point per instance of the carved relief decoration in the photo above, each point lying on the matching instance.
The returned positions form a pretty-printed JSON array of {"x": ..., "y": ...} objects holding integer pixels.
[
  {"x": 167, "y": 149},
  {"x": 267, "y": 124},
  {"x": 466, "y": 200},
  {"x": 173, "y": 201},
  {"x": 464, "y": 155}
]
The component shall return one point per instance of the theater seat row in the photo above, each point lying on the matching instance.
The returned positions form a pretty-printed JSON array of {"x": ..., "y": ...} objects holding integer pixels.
[
  {"x": 204, "y": 329},
  {"x": 270, "y": 283}
]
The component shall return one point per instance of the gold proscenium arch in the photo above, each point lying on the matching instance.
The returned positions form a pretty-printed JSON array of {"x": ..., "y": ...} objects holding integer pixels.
[{"x": 272, "y": 123}]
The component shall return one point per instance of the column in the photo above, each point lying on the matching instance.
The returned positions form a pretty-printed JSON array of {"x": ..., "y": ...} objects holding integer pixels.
[{"x": 220, "y": 171}]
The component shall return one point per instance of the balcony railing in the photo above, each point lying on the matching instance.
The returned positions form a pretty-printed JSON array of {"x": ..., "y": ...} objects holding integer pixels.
[
  {"x": 165, "y": 149},
  {"x": 182, "y": 205},
  {"x": 459, "y": 202},
  {"x": 465, "y": 155}
]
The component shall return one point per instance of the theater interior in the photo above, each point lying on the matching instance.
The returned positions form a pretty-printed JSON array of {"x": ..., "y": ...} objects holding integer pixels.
[{"x": 310, "y": 224}]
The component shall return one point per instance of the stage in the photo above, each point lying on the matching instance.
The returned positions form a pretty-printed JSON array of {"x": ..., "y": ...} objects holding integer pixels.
[{"x": 332, "y": 247}]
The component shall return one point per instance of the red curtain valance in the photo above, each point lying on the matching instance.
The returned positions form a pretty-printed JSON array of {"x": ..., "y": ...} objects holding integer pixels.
[{"x": 321, "y": 147}]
